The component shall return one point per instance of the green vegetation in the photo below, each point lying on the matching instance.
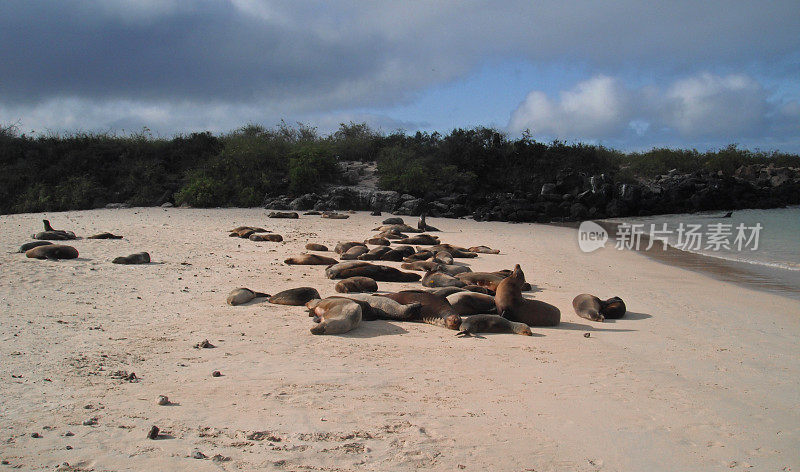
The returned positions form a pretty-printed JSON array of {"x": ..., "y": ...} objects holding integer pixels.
[{"x": 89, "y": 170}]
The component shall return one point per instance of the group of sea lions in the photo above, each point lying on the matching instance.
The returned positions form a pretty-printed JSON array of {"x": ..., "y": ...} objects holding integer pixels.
[
  {"x": 44, "y": 249},
  {"x": 456, "y": 297}
]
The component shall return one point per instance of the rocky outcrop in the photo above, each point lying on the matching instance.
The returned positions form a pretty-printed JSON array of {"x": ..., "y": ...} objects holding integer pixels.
[{"x": 572, "y": 196}]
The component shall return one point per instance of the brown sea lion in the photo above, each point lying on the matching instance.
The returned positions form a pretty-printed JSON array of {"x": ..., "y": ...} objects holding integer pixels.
[
  {"x": 510, "y": 303},
  {"x": 353, "y": 253},
  {"x": 404, "y": 228},
  {"x": 455, "y": 251},
  {"x": 104, "y": 236},
  {"x": 137, "y": 258},
  {"x": 356, "y": 285},
  {"x": 420, "y": 256},
  {"x": 421, "y": 239},
  {"x": 478, "y": 289},
  {"x": 378, "y": 242},
  {"x": 489, "y": 280},
  {"x": 336, "y": 316},
  {"x": 53, "y": 234},
  {"x": 310, "y": 259},
  {"x": 421, "y": 266},
  {"x": 471, "y": 303},
  {"x": 484, "y": 250},
  {"x": 453, "y": 269},
  {"x": 283, "y": 214},
  {"x": 491, "y": 324},
  {"x": 275, "y": 238},
  {"x": 316, "y": 247},
  {"x": 245, "y": 232},
  {"x": 397, "y": 254},
  {"x": 588, "y": 306},
  {"x": 437, "y": 279},
  {"x": 25, "y": 247},
  {"x": 376, "y": 307},
  {"x": 294, "y": 296},
  {"x": 335, "y": 216},
  {"x": 240, "y": 296},
  {"x": 391, "y": 235},
  {"x": 395, "y": 220},
  {"x": 613, "y": 308},
  {"x": 446, "y": 291},
  {"x": 52, "y": 251},
  {"x": 374, "y": 254},
  {"x": 443, "y": 257},
  {"x": 435, "y": 310},
  {"x": 376, "y": 272},
  {"x": 343, "y": 246},
  {"x": 422, "y": 225}
]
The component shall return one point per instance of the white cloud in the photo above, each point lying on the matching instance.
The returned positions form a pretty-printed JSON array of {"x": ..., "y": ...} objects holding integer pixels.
[{"x": 727, "y": 108}]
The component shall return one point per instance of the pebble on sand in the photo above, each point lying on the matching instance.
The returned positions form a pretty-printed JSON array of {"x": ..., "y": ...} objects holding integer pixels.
[
  {"x": 216, "y": 373},
  {"x": 163, "y": 400}
]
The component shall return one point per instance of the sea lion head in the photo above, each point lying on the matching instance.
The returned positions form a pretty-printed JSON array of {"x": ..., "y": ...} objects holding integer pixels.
[
  {"x": 452, "y": 321},
  {"x": 524, "y": 330}
]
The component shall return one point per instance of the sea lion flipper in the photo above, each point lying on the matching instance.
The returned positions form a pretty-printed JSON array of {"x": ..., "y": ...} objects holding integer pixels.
[{"x": 464, "y": 334}]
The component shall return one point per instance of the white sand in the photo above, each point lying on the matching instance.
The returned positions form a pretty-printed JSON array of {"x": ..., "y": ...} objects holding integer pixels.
[{"x": 702, "y": 375}]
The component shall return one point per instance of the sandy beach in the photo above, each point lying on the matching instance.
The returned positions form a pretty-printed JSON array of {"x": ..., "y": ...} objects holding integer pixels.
[{"x": 701, "y": 374}]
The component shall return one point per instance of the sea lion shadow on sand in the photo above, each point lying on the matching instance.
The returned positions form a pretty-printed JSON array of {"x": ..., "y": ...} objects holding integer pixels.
[
  {"x": 585, "y": 327},
  {"x": 630, "y": 315},
  {"x": 375, "y": 328},
  {"x": 486, "y": 335}
]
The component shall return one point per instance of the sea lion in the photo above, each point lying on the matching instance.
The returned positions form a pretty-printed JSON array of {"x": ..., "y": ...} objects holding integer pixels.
[
  {"x": 489, "y": 280},
  {"x": 397, "y": 254},
  {"x": 446, "y": 291},
  {"x": 275, "y": 238},
  {"x": 437, "y": 279},
  {"x": 240, "y": 296},
  {"x": 52, "y": 251},
  {"x": 353, "y": 253},
  {"x": 378, "y": 242},
  {"x": 421, "y": 239},
  {"x": 510, "y": 303},
  {"x": 613, "y": 308},
  {"x": 471, "y": 303},
  {"x": 379, "y": 273},
  {"x": 335, "y": 216},
  {"x": 245, "y": 232},
  {"x": 283, "y": 214},
  {"x": 343, "y": 246},
  {"x": 478, "y": 289},
  {"x": 402, "y": 228},
  {"x": 491, "y": 324},
  {"x": 435, "y": 310},
  {"x": 312, "y": 212},
  {"x": 376, "y": 307},
  {"x": 294, "y": 296},
  {"x": 423, "y": 226},
  {"x": 443, "y": 257},
  {"x": 484, "y": 250},
  {"x": 421, "y": 266},
  {"x": 356, "y": 285},
  {"x": 455, "y": 251},
  {"x": 310, "y": 259},
  {"x": 391, "y": 235},
  {"x": 375, "y": 213},
  {"x": 336, "y": 316},
  {"x": 453, "y": 269},
  {"x": 316, "y": 247},
  {"x": 420, "y": 256},
  {"x": 32, "y": 245},
  {"x": 137, "y": 258},
  {"x": 53, "y": 234},
  {"x": 395, "y": 220},
  {"x": 104, "y": 235},
  {"x": 588, "y": 306},
  {"x": 374, "y": 254}
]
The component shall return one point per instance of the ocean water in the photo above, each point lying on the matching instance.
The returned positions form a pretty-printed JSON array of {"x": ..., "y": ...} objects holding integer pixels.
[{"x": 764, "y": 242}]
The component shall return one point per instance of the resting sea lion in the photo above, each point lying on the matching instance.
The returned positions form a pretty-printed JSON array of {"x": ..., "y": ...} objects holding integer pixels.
[
  {"x": 421, "y": 239},
  {"x": 484, "y": 250},
  {"x": 138, "y": 258},
  {"x": 52, "y": 251},
  {"x": 587, "y": 306},
  {"x": 335, "y": 216},
  {"x": 403, "y": 228},
  {"x": 491, "y": 324},
  {"x": 283, "y": 214},
  {"x": 391, "y": 235},
  {"x": 343, "y": 246},
  {"x": 336, "y": 316},
  {"x": 239, "y": 296},
  {"x": 376, "y": 272},
  {"x": 294, "y": 296},
  {"x": 471, "y": 303},
  {"x": 422, "y": 266},
  {"x": 455, "y": 251},
  {"x": 312, "y": 212},
  {"x": 397, "y": 254},
  {"x": 435, "y": 310},
  {"x": 356, "y": 285},
  {"x": 395, "y": 220},
  {"x": 438, "y": 279},
  {"x": 245, "y": 232},
  {"x": 479, "y": 289},
  {"x": 378, "y": 241},
  {"x": 489, "y": 280},
  {"x": 376, "y": 307},
  {"x": 310, "y": 259},
  {"x": 510, "y": 303},
  {"x": 443, "y": 257},
  {"x": 420, "y": 256},
  {"x": 276, "y": 238},
  {"x": 613, "y": 308},
  {"x": 374, "y": 254},
  {"x": 316, "y": 247},
  {"x": 353, "y": 253},
  {"x": 104, "y": 236},
  {"x": 53, "y": 234},
  {"x": 453, "y": 269},
  {"x": 32, "y": 245},
  {"x": 446, "y": 291}
]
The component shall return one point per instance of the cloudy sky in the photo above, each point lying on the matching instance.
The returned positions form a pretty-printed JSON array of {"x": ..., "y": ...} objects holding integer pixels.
[{"x": 627, "y": 74}]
